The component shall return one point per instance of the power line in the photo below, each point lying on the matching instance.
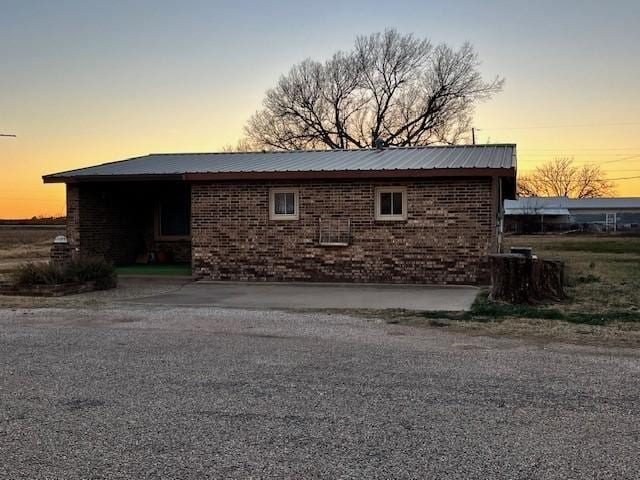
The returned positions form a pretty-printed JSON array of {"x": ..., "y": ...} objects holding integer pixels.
[
  {"x": 629, "y": 157},
  {"x": 577, "y": 125},
  {"x": 568, "y": 154},
  {"x": 624, "y": 178},
  {"x": 620, "y": 159},
  {"x": 7, "y": 135},
  {"x": 576, "y": 148}
]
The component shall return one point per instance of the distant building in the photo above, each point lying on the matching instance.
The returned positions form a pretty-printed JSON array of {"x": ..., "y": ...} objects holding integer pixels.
[{"x": 552, "y": 214}]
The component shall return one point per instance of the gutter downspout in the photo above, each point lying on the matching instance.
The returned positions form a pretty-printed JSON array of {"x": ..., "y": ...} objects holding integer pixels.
[{"x": 500, "y": 224}]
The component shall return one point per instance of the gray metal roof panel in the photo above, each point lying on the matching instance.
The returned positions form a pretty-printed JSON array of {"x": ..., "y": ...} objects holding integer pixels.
[
  {"x": 574, "y": 204},
  {"x": 409, "y": 158}
]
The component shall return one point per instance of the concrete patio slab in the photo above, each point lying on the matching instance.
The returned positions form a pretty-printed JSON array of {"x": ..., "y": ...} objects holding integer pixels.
[{"x": 308, "y": 295}]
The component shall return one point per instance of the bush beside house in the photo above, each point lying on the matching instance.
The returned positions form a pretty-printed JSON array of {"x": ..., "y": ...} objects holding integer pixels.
[{"x": 51, "y": 279}]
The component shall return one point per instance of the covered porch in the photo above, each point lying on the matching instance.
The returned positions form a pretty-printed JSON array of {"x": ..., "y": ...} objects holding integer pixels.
[{"x": 131, "y": 223}]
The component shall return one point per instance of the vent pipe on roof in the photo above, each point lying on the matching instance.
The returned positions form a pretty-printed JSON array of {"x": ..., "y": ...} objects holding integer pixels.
[{"x": 379, "y": 143}]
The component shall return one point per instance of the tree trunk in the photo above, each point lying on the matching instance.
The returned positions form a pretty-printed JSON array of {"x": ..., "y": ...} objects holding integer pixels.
[
  {"x": 517, "y": 278},
  {"x": 511, "y": 277},
  {"x": 552, "y": 280}
]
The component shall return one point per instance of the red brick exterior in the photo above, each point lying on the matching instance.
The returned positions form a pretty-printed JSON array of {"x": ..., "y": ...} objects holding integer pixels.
[{"x": 449, "y": 232}]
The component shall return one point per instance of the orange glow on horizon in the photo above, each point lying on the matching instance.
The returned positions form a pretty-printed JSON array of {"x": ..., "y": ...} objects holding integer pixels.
[{"x": 23, "y": 195}]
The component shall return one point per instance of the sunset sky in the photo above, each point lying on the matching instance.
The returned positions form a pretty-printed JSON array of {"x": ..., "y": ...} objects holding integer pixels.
[{"x": 85, "y": 82}]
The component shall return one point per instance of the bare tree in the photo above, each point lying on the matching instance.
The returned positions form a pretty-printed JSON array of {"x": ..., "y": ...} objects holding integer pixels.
[
  {"x": 392, "y": 87},
  {"x": 562, "y": 178},
  {"x": 243, "y": 145}
]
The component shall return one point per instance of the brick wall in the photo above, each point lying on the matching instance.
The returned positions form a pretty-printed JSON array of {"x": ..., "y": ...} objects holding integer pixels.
[
  {"x": 73, "y": 217},
  {"x": 445, "y": 239}
]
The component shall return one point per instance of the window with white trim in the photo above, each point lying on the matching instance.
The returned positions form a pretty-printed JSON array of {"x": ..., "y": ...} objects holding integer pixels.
[
  {"x": 391, "y": 203},
  {"x": 283, "y": 204}
]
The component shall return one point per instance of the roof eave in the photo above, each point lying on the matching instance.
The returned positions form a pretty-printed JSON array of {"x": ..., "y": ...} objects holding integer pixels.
[
  {"x": 293, "y": 175},
  {"x": 56, "y": 178}
]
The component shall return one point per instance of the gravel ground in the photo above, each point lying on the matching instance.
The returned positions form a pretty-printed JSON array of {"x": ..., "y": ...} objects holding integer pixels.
[{"x": 148, "y": 392}]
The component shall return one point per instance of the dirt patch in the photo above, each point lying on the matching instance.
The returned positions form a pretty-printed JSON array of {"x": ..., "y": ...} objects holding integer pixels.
[
  {"x": 552, "y": 331},
  {"x": 126, "y": 290},
  {"x": 614, "y": 334},
  {"x": 57, "y": 290}
]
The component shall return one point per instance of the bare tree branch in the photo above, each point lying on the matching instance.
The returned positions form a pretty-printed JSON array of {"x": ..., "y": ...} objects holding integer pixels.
[
  {"x": 561, "y": 178},
  {"x": 391, "y": 86}
]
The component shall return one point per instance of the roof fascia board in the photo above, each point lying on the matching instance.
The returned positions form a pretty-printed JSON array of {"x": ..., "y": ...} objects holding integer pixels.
[
  {"x": 112, "y": 178},
  {"x": 328, "y": 174}
]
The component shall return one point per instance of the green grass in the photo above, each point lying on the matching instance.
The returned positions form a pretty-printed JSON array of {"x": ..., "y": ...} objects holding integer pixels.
[
  {"x": 485, "y": 310},
  {"x": 155, "y": 269},
  {"x": 629, "y": 245},
  {"x": 602, "y": 280}
]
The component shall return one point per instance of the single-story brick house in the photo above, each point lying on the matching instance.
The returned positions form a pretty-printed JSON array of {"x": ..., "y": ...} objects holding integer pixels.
[{"x": 395, "y": 215}]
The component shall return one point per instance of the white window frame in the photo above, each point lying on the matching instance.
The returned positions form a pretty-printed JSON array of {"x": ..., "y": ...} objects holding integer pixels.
[
  {"x": 390, "y": 217},
  {"x": 272, "y": 204}
]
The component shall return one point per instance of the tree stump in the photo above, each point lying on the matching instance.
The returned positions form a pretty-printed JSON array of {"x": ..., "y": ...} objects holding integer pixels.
[
  {"x": 517, "y": 278},
  {"x": 511, "y": 277},
  {"x": 552, "y": 280}
]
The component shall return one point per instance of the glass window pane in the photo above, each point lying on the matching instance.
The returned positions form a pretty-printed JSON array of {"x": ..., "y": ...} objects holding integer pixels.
[
  {"x": 284, "y": 203},
  {"x": 290, "y": 199},
  {"x": 385, "y": 203},
  {"x": 175, "y": 214},
  {"x": 280, "y": 203},
  {"x": 397, "y": 203}
]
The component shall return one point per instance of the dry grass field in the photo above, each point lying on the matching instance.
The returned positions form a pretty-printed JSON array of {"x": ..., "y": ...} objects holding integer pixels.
[
  {"x": 25, "y": 243},
  {"x": 603, "y": 271},
  {"x": 603, "y": 284}
]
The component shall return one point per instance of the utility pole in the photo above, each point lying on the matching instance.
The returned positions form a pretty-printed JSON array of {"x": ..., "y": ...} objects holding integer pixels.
[{"x": 473, "y": 135}]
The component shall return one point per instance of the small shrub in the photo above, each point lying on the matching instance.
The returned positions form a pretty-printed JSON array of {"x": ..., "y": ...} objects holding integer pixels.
[
  {"x": 438, "y": 322},
  {"x": 587, "y": 279},
  {"x": 77, "y": 271},
  {"x": 102, "y": 272},
  {"x": 39, "y": 274}
]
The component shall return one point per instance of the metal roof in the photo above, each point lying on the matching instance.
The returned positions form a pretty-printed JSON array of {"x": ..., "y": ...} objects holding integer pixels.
[
  {"x": 548, "y": 205},
  {"x": 537, "y": 211},
  {"x": 399, "y": 160}
]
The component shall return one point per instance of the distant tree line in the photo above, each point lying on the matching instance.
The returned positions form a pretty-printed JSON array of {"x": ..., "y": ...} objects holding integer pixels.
[
  {"x": 561, "y": 177},
  {"x": 39, "y": 220}
]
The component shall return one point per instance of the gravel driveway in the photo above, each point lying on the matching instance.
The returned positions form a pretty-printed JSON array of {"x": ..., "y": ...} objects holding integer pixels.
[{"x": 149, "y": 392}]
